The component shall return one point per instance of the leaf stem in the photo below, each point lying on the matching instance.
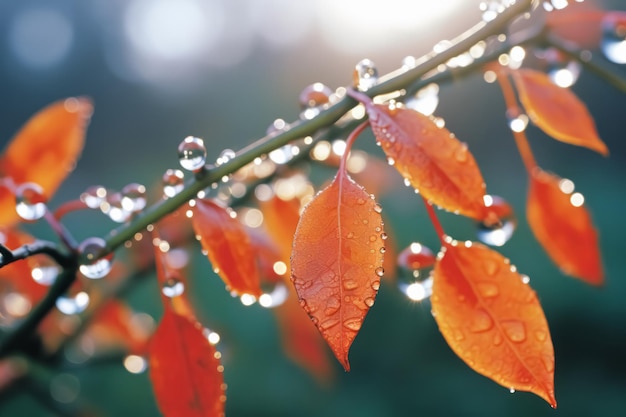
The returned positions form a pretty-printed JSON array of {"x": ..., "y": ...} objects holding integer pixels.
[
  {"x": 513, "y": 110},
  {"x": 435, "y": 221},
  {"x": 351, "y": 138}
]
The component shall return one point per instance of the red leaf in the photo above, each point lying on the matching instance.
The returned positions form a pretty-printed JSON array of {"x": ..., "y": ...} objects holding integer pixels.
[
  {"x": 185, "y": 370},
  {"x": 580, "y": 23},
  {"x": 113, "y": 325},
  {"x": 336, "y": 261},
  {"x": 18, "y": 275},
  {"x": 557, "y": 111},
  {"x": 45, "y": 150},
  {"x": 281, "y": 218},
  {"x": 431, "y": 158},
  {"x": 493, "y": 320},
  {"x": 228, "y": 247},
  {"x": 563, "y": 226}
]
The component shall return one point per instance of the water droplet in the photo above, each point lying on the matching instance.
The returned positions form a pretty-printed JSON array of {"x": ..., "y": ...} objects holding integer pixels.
[
  {"x": 512, "y": 390},
  {"x": 133, "y": 197},
  {"x": 425, "y": 100},
  {"x": 352, "y": 324},
  {"x": 380, "y": 271},
  {"x": 96, "y": 262},
  {"x": 350, "y": 284},
  {"x": 481, "y": 321},
  {"x": 73, "y": 304},
  {"x": 173, "y": 182},
  {"x": 225, "y": 156},
  {"x": 391, "y": 161},
  {"x": 378, "y": 208},
  {"x": 541, "y": 335},
  {"x": 458, "y": 335},
  {"x": 30, "y": 201},
  {"x": 328, "y": 323},
  {"x": 525, "y": 279},
  {"x": 350, "y": 235},
  {"x": 384, "y": 236},
  {"x": 382, "y": 249},
  {"x": 369, "y": 301},
  {"x": 172, "y": 287},
  {"x": 94, "y": 196},
  {"x": 500, "y": 224},
  {"x": 45, "y": 275},
  {"x": 365, "y": 75},
  {"x": 497, "y": 339},
  {"x": 418, "y": 290},
  {"x": 517, "y": 122},
  {"x": 373, "y": 238},
  {"x": 312, "y": 99},
  {"x": 376, "y": 285},
  {"x": 284, "y": 154},
  {"x": 514, "y": 330},
  {"x": 332, "y": 306},
  {"x": 564, "y": 73},
  {"x": 416, "y": 256},
  {"x": 548, "y": 363},
  {"x": 192, "y": 154},
  {"x": 360, "y": 201},
  {"x": 487, "y": 289},
  {"x": 613, "y": 42}
]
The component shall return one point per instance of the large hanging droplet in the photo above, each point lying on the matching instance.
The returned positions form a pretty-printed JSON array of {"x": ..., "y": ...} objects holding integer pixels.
[
  {"x": 173, "y": 287},
  {"x": 173, "y": 182},
  {"x": 30, "y": 201},
  {"x": 274, "y": 294},
  {"x": 425, "y": 100},
  {"x": 365, "y": 75},
  {"x": 498, "y": 228},
  {"x": 73, "y": 304},
  {"x": 192, "y": 154},
  {"x": 613, "y": 42},
  {"x": 96, "y": 262},
  {"x": 313, "y": 99},
  {"x": 133, "y": 197},
  {"x": 415, "y": 264}
]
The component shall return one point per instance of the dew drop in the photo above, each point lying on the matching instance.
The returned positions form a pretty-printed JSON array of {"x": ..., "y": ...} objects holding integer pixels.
[
  {"x": 312, "y": 100},
  {"x": 416, "y": 256},
  {"x": 365, "y": 75},
  {"x": 376, "y": 285},
  {"x": 540, "y": 335},
  {"x": 328, "y": 323},
  {"x": 30, "y": 202},
  {"x": 133, "y": 197},
  {"x": 384, "y": 236},
  {"x": 425, "y": 100},
  {"x": 284, "y": 154},
  {"x": 332, "y": 306},
  {"x": 45, "y": 275},
  {"x": 514, "y": 330},
  {"x": 380, "y": 271},
  {"x": 378, "y": 208},
  {"x": 73, "y": 304},
  {"x": 418, "y": 290},
  {"x": 350, "y": 284},
  {"x": 172, "y": 287},
  {"x": 481, "y": 321},
  {"x": 512, "y": 390},
  {"x": 497, "y": 339},
  {"x": 391, "y": 161},
  {"x": 350, "y": 235},
  {"x": 95, "y": 261},
  {"x": 94, "y": 196},
  {"x": 369, "y": 301},
  {"x": 274, "y": 295},
  {"x": 458, "y": 335},
  {"x": 382, "y": 249},
  {"x": 461, "y": 154},
  {"x": 173, "y": 182},
  {"x": 360, "y": 201},
  {"x": 613, "y": 42},
  {"x": 487, "y": 289},
  {"x": 352, "y": 324},
  {"x": 115, "y": 209},
  {"x": 500, "y": 224},
  {"x": 192, "y": 154},
  {"x": 373, "y": 238},
  {"x": 548, "y": 363}
]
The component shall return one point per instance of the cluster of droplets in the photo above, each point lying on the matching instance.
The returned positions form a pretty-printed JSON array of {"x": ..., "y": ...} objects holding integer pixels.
[
  {"x": 416, "y": 263},
  {"x": 119, "y": 206},
  {"x": 500, "y": 224},
  {"x": 613, "y": 43},
  {"x": 30, "y": 201}
]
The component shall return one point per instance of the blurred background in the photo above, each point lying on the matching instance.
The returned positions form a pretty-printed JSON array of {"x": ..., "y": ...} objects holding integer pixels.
[{"x": 160, "y": 70}]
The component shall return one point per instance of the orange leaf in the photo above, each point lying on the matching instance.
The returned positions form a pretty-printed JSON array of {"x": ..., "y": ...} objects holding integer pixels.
[
  {"x": 18, "y": 275},
  {"x": 185, "y": 369},
  {"x": 557, "y": 111},
  {"x": 493, "y": 320},
  {"x": 337, "y": 259},
  {"x": 301, "y": 341},
  {"x": 281, "y": 219},
  {"x": 113, "y": 325},
  {"x": 431, "y": 158},
  {"x": 45, "y": 150},
  {"x": 228, "y": 247},
  {"x": 563, "y": 226}
]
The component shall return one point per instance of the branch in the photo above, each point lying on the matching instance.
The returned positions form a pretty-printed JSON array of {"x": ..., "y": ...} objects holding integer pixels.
[
  {"x": 35, "y": 248},
  {"x": 392, "y": 82}
]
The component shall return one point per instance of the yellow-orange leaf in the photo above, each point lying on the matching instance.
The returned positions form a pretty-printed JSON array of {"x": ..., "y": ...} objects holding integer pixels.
[
  {"x": 563, "y": 226},
  {"x": 430, "y": 157},
  {"x": 228, "y": 247},
  {"x": 185, "y": 371},
  {"x": 337, "y": 259},
  {"x": 557, "y": 111},
  {"x": 45, "y": 150},
  {"x": 492, "y": 319},
  {"x": 281, "y": 219}
]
